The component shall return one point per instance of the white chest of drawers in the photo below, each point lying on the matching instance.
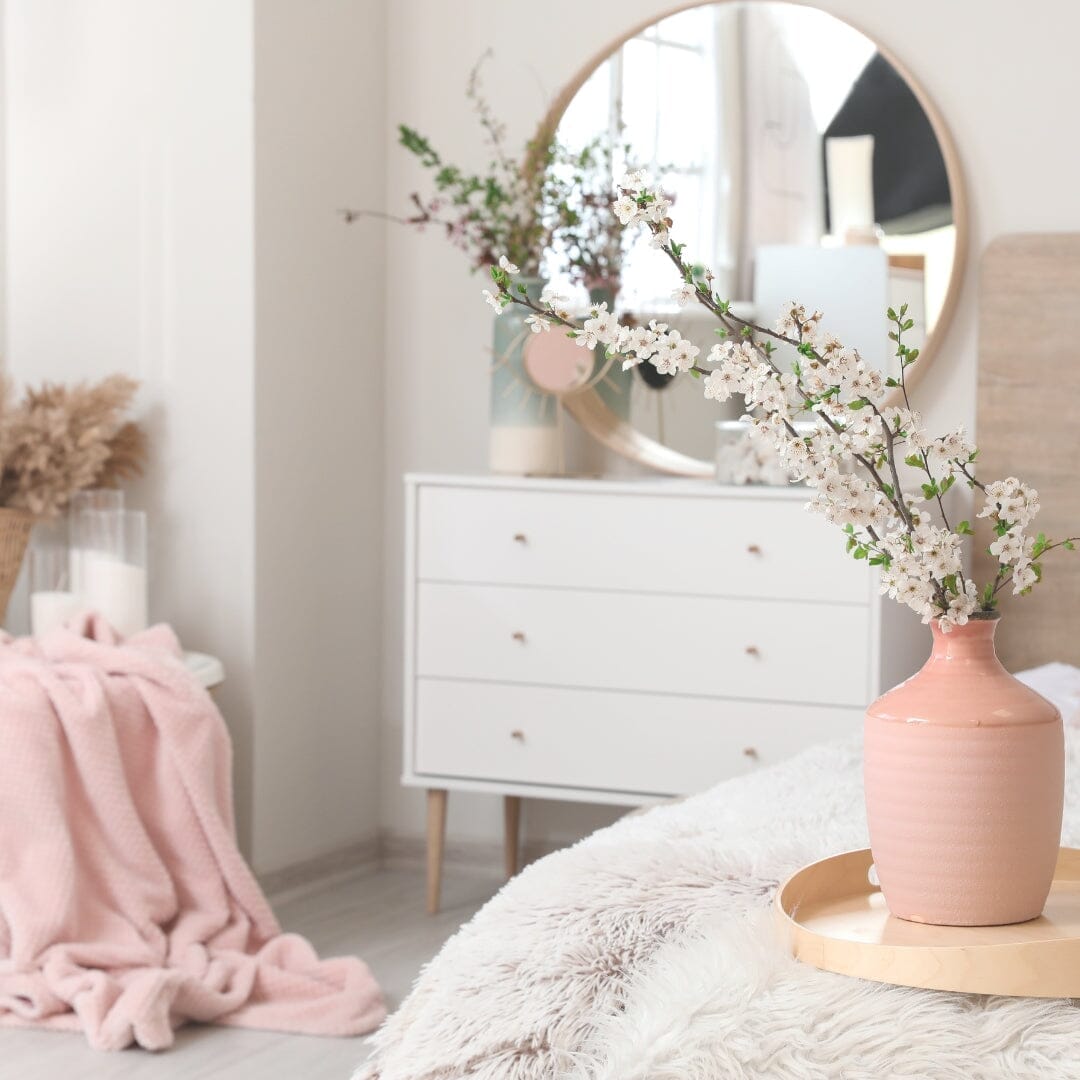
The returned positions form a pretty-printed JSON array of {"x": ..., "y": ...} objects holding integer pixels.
[{"x": 621, "y": 642}]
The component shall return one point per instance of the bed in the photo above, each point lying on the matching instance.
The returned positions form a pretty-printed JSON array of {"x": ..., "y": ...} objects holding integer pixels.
[{"x": 648, "y": 950}]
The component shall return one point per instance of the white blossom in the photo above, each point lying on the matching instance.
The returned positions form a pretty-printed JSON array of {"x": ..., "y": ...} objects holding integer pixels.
[
  {"x": 1010, "y": 501},
  {"x": 625, "y": 209},
  {"x": 684, "y": 294},
  {"x": 722, "y": 384},
  {"x": 495, "y": 300},
  {"x": 537, "y": 323},
  {"x": 507, "y": 265},
  {"x": 674, "y": 354}
]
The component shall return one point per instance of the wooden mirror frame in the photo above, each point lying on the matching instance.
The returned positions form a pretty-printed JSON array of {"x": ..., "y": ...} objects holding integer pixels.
[{"x": 619, "y": 435}]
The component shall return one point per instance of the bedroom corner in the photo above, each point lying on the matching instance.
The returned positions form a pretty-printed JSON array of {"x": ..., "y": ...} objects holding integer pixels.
[{"x": 538, "y": 542}]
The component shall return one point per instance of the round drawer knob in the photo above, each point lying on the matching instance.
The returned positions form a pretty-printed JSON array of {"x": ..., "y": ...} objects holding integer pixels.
[
  {"x": 753, "y": 650},
  {"x": 520, "y": 538},
  {"x": 517, "y": 735},
  {"x": 518, "y": 636},
  {"x": 753, "y": 549},
  {"x": 751, "y": 753}
]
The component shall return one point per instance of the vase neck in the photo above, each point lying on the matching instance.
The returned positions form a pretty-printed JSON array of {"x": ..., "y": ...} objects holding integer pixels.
[{"x": 971, "y": 643}]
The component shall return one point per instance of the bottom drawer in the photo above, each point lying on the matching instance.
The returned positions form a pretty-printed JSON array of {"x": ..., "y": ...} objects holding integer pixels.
[{"x": 652, "y": 744}]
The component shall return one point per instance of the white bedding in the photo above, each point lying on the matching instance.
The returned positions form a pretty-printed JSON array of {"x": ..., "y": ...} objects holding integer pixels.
[{"x": 648, "y": 951}]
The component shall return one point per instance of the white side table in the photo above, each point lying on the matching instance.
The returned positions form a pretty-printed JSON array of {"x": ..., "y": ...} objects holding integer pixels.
[{"x": 209, "y": 670}]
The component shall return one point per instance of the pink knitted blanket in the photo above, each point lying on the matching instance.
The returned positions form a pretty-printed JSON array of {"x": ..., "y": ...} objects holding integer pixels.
[{"x": 126, "y": 908}]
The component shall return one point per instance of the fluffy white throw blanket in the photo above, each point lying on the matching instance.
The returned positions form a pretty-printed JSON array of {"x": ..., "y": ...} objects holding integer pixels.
[{"x": 648, "y": 951}]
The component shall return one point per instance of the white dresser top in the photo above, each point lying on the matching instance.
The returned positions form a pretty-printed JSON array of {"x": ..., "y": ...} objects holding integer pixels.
[{"x": 659, "y": 485}]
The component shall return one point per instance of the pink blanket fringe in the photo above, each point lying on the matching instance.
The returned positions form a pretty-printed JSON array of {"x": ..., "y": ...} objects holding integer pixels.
[{"x": 126, "y": 908}]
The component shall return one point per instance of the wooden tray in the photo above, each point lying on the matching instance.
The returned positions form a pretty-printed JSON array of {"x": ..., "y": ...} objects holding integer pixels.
[{"x": 838, "y": 922}]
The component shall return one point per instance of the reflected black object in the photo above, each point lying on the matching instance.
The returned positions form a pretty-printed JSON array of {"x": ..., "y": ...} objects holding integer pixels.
[
  {"x": 652, "y": 378},
  {"x": 911, "y": 186}
]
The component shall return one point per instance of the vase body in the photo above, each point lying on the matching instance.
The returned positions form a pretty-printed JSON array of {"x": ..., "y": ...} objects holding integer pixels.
[
  {"x": 965, "y": 773},
  {"x": 525, "y": 434}
]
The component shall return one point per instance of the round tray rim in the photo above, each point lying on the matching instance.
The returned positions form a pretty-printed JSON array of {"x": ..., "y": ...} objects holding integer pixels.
[{"x": 1036, "y": 959}]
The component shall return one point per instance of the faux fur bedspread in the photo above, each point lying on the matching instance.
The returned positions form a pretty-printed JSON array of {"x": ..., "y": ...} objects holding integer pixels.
[{"x": 648, "y": 951}]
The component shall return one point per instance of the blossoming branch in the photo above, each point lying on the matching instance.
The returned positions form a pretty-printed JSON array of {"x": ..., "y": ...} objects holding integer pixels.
[{"x": 862, "y": 444}]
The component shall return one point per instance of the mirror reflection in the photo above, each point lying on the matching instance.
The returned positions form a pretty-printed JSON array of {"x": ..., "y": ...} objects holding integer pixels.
[{"x": 822, "y": 179}]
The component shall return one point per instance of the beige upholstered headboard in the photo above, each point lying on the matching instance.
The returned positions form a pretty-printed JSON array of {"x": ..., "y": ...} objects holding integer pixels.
[{"x": 1028, "y": 422}]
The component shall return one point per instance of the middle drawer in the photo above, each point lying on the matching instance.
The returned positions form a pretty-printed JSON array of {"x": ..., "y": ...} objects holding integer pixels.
[{"x": 721, "y": 647}]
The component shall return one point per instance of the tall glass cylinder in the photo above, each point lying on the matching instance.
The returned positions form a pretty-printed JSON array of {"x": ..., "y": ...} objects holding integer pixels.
[
  {"x": 79, "y": 529},
  {"x": 113, "y": 572}
]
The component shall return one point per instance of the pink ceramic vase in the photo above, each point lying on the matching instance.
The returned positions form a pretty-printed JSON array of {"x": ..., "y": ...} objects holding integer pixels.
[{"x": 965, "y": 776}]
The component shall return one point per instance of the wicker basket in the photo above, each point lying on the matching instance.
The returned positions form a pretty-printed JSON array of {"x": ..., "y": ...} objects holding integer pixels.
[{"x": 15, "y": 526}]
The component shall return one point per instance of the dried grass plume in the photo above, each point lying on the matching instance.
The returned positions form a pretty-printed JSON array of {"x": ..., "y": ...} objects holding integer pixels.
[{"x": 62, "y": 439}]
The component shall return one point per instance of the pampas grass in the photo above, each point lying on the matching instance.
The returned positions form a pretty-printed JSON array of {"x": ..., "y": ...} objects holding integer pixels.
[{"x": 62, "y": 439}]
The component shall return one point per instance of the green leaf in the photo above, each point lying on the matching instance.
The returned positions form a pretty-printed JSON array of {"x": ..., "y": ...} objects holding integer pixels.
[
  {"x": 890, "y": 314},
  {"x": 851, "y": 543},
  {"x": 946, "y": 484},
  {"x": 964, "y": 529},
  {"x": 915, "y": 461},
  {"x": 861, "y": 553},
  {"x": 930, "y": 490},
  {"x": 521, "y": 289},
  {"x": 890, "y": 381},
  {"x": 858, "y": 403},
  {"x": 950, "y": 583},
  {"x": 1068, "y": 545}
]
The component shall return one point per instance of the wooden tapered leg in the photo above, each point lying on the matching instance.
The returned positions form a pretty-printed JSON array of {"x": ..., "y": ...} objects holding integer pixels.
[
  {"x": 512, "y": 819},
  {"x": 436, "y": 835}
]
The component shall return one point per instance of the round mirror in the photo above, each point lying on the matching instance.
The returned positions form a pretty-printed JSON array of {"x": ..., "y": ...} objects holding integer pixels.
[{"x": 804, "y": 164}]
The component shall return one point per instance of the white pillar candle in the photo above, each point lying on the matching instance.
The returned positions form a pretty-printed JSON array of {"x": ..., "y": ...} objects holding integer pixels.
[
  {"x": 850, "y": 164},
  {"x": 114, "y": 589},
  {"x": 51, "y": 609},
  {"x": 75, "y": 556}
]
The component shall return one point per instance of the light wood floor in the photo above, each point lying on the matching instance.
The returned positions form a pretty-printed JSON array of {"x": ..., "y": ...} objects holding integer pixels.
[{"x": 377, "y": 914}]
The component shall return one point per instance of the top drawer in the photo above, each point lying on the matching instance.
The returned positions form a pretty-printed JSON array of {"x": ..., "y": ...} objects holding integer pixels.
[{"x": 705, "y": 545}]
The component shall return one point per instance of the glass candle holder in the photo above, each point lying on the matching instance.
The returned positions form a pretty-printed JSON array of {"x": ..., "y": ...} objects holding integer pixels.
[
  {"x": 52, "y": 600},
  {"x": 81, "y": 530},
  {"x": 112, "y": 571}
]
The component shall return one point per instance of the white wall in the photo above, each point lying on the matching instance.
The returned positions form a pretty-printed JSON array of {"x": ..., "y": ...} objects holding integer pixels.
[
  {"x": 1006, "y": 84},
  {"x": 129, "y": 153},
  {"x": 174, "y": 168},
  {"x": 319, "y": 77}
]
